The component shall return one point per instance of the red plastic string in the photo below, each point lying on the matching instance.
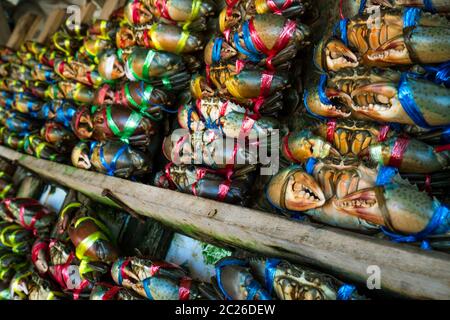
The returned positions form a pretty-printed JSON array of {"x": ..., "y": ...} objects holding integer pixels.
[
  {"x": 89, "y": 78},
  {"x": 42, "y": 245},
  {"x": 167, "y": 174},
  {"x": 178, "y": 146},
  {"x": 146, "y": 39},
  {"x": 135, "y": 11},
  {"x": 282, "y": 41},
  {"x": 341, "y": 13},
  {"x": 247, "y": 125},
  {"x": 50, "y": 125},
  {"x": 266, "y": 82},
  {"x": 102, "y": 93},
  {"x": 125, "y": 263},
  {"x": 383, "y": 133},
  {"x": 157, "y": 265},
  {"x": 184, "y": 290},
  {"x": 61, "y": 67},
  {"x": 226, "y": 34},
  {"x": 428, "y": 183},
  {"x": 208, "y": 74},
  {"x": 111, "y": 293},
  {"x": 442, "y": 148},
  {"x": 286, "y": 149},
  {"x": 273, "y": 6},
  {"x": 398, "y": 150},
  {"x": 331, "y": 128},
  {"x": 230, "y": 6},
  {"x": 223, "y": 108},
  {"x": 240, "y": 64},
  {"x": 161, "y": 5}
]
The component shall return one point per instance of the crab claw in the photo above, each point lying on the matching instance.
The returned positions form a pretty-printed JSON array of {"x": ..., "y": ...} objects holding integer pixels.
[
  {"x": 399, "y": 208},
  {"x": 293, "y": 189},
  {"x": 334, "y": 55},
  {"x": 227, "y": 21},
  {"x": 226, "y": 51},
  {"x": 200, "y": 88},
  {"x": 80, "y": 157},
  {"x": 393, "y": 51},
  {"x": 340, "y": 106},
  {"x": 299, "y": 146},
  {"x": 379, "y": 101}
]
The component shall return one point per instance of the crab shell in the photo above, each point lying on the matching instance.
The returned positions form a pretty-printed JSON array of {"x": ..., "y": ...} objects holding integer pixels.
[
  {"x": 299, "y": 146},
  {"x": 101, "y": 249},
  {"x": 58, "y": 135},
  {"x": 293, "y": 189},
  {"x": 182, "y": 10},
  {"x": 418, "y": 156},
  {"x": 131, "y": 162},
  {"x": 163, "y": 64},
  {"x": 110, "y": 67},
  {"x": 96, "y": 126},
  {"x": 226, "y": 51},
  {"x": 295, "y": 282},
  {"x": 161, "y": 37}
]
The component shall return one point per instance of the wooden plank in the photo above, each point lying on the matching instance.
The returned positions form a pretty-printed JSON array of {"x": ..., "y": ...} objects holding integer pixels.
[
  {"x": 405, "y": 270},
  {"x": 20, "y": 30},
  {"x": 53, "y": 22},
  {"x": 87, "y": 12},
  {"x": 108, "y": 8},
  {"x": 5, "y": 32},
  {"x": 34, "y": 28}
]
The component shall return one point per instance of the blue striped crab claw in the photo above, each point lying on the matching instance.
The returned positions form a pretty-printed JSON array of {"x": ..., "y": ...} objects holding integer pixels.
[
  {"x": 235, "y": 281},
  {"x": 295, "y": 282},
  {"x": 411, "y": 101}
]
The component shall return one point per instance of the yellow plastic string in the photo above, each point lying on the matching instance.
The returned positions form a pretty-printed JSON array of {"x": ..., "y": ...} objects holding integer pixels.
[
  {"x": 87, "y": 242},
  {"x": 5, "y": 191},
  {"x": 69, "y": 206},
  {"x": 97, "y": 223},
  {"x": 182, "y": 42},
  {"x": 16, "y": 282},
  {"x": 155, "y": 41},
  {"x": 84, "y": 267},
  {"x": 195, "y": 10}
]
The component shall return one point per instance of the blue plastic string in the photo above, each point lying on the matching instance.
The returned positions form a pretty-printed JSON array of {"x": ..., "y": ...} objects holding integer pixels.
[
  {"x": 111, "y": 168},
  {"x": 411, "y": 17},
  {"x": 248, "y": 38},
  {"x": 341, "y": 26},
  {"x": 119, "y": 275},
  {"x": 310, "y": 164},
  {"x": 224, "y": 263},
  {"x": 251, "y": 56},
  {"x": 406, "y": 97},
  {"x": 439, "y": 74},
  {"x": 438, "y": 224},
  {"x": 385, "y": 175},
  {"x": 429, "y": 6},
  {"x": 254, "y": 288},
  {"x": 145, "y": 283},
  {"x": 189, "y": 120},
  {"x": 217, "y": 48},
  {"x": 321, "y": 90},
  {"x": 269, "y": 273},
  {"x": 305, "y": 102},
  {"x": 345, "y": 292},
  {"x": 362, "y": 6}
]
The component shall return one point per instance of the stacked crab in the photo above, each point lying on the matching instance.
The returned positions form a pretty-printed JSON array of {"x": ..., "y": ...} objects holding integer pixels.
[
  {"x": 31, "y": 121},
  {"x": 144, "y": 69},
  {"x": 373, "y": 134},
  {"x": 235, "y": 103}
]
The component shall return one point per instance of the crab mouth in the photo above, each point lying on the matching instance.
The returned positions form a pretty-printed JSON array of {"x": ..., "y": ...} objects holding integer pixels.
[
  {"x": 306, "y": 191},
  {"x": 374, "y": 98},
  {"x": 338, "y": 56},
  {"x": 393, "y": 51},
  {"x": 340, "y": 103},
  {"x": 362, "y": 204}
]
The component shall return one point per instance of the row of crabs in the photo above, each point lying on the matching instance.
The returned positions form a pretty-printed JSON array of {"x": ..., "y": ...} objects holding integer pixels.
[
  {"x": 237, "y": 79},
  {"x": 76, "y": 254}
]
